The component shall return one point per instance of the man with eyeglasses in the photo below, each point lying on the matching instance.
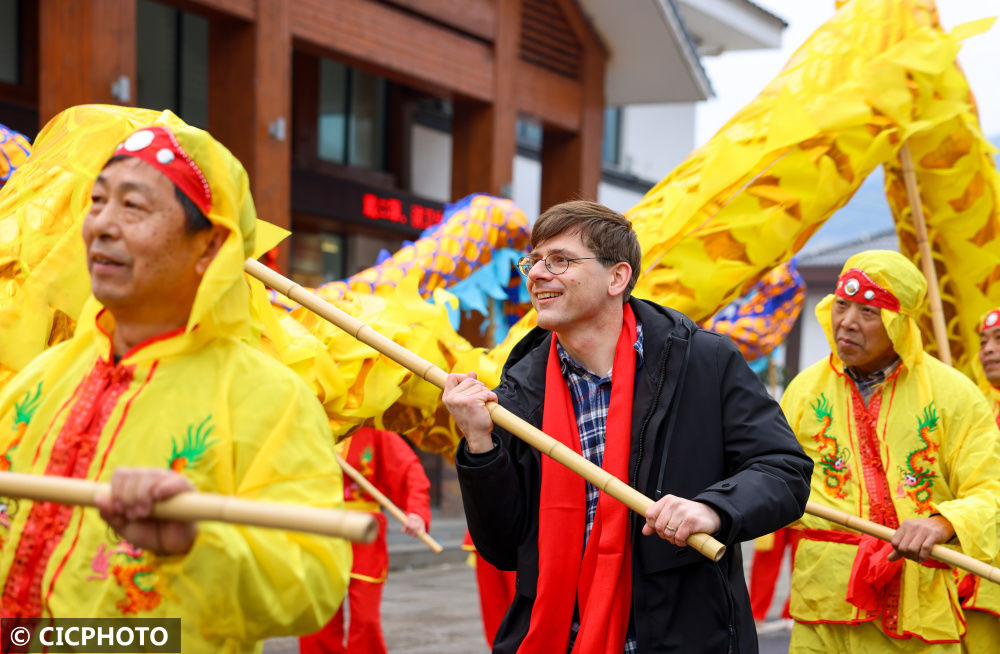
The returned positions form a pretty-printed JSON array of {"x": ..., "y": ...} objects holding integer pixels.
[{"x": 642, "y": 391}]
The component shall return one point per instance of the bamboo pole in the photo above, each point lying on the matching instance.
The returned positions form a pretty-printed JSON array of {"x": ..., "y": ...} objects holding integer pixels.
[
  {"x": 386, "y": 503},
  {"x": 926, "y": 258},
  {"x": 939, "y": 552},
  {"x": 534, "y": 437},
  {"x": 191, "y": 506}
]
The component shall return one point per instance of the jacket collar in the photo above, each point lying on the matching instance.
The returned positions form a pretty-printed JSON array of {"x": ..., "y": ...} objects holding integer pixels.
[{"x": 523, "y": 376}]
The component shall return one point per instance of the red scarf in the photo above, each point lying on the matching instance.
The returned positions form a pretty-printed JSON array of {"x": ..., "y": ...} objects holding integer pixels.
[{"x": 598, "y": 578}]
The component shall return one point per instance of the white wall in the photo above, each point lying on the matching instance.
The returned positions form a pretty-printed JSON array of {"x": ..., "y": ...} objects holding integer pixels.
[
  {"x": 813, "y": 345},
  {"x": 656, "y": 138},
  {"x": 430, "y": 163},
  {"x": 617, "y": 198},
  {"x": 526, "y": 187}
]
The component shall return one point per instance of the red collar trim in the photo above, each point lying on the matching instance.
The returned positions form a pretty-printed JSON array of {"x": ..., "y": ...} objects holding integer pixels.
[
  {"x": 138, "y": 346},
  {"x": 158, "y": 147},
  {"x": 856, "y": 286}
]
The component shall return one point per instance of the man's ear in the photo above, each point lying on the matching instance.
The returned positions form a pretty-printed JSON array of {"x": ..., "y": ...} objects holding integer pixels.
[
  {"x": 213, "y": 238},
  {"x": 621, "y": 274}
]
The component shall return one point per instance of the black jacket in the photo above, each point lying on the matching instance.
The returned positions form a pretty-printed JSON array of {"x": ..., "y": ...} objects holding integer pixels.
[{"x": 730, "y": 448}]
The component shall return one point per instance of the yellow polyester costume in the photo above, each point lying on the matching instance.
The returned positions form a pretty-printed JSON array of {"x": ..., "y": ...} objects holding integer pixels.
[
  {"x": 202, "y": 402},
  {"x": 932, "y": 434},
  {"x": 981, "y": 599}
]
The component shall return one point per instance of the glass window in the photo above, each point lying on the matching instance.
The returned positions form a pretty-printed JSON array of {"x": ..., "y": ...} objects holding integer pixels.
[
  {"x": 529, "y": 134},
  {"x": 351, "y": 116},
  {"x": 611, "y": 147},
  {"x": 367, "y": 101},
  {"x": 332, "y": 247},
  {"x": 10, "y": 41},
  {"x": 172, "y": 61},
  {"x": 332, "y": 111},
  {"x": 193, "y": 100}
]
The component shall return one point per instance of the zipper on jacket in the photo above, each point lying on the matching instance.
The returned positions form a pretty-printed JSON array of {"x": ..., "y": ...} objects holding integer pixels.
[{"x": 634, "y": 474}]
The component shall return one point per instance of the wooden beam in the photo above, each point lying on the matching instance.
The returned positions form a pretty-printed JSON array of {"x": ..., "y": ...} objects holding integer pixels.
[
  {"x": 252, "y": 62},
  {"x": 231, "y": 66},
  {"x": 553, "y": 98},
  {"x": 83, "y": 47},
  {"x": 475, "y": 17},
  {"x": 271, "y": 183},
  {"x": 305, "y": 109},
  {"x": 397, "y": 45},
  {"x": 243, "y": 9},
  {"x": 581, "y": 27},
  {"x": 591, "y": 132},
  {"x": 484, "y": 139},
  {"x": 571, "y": 159}
]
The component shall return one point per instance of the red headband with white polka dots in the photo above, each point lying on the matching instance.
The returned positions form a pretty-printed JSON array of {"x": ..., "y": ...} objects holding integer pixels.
[
  {"x": 992, "y": 319},
  {"x": 856, "y": 286},
  {"x": 158, "y": 147}
]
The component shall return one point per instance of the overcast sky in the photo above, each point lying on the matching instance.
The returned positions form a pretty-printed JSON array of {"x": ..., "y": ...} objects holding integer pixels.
[{"x": 738, "y": 77}]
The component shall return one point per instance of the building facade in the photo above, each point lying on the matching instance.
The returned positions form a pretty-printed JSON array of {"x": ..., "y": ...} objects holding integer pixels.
[{"x": 357, "y": 120}]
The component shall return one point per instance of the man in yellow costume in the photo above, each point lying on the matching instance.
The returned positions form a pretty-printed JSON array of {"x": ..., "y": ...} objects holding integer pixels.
[
  {"x": 987, "y": 372},
  {"x": 900, "y": 439},
  {"x": 157, "y": 376},
  {"x": 981, "y": 599}
]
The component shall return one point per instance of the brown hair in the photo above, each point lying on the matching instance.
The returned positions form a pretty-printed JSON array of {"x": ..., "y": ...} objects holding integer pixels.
[{"x": 607, "y": 233}]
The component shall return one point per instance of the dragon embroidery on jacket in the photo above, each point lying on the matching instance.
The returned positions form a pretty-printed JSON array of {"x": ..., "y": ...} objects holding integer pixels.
[
  {"x": 134, "y": 574},
  {"x": 23, "y": 411},
  {"x": 195, "y": 446},
  {"x": 833, "y": 460},
  {"x": 917, "y": 478}
]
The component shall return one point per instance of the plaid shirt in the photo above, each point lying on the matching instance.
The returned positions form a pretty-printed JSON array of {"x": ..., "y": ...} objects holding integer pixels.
[
  {"x": 868, "y": 385},
  {"x": 591, "y": 397}
]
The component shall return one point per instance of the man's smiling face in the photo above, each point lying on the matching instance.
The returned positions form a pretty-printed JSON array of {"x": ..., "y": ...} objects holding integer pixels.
[{"x": 571, "y": 298}]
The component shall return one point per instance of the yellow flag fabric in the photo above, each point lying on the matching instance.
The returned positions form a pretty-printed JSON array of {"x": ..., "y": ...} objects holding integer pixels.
[
  {"x": 959, "y": 190},
  {"x": 382, "y": 393},
  {"x": 198, "y": 400},
  {"x": 862, "y": 84},
  {"x": 939, "y": 447}
]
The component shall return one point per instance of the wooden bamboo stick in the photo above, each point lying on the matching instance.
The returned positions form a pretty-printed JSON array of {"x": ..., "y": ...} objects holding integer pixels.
[
  {"x": 939, "y": 552},
  {"x": 355, "y": 526},
  {"x": 386, "y": 503},
  {"x": 926, "y": 258},
  {"x": 534, "y": 437}
]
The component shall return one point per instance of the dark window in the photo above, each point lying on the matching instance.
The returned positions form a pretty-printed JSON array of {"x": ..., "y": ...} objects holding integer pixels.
[
  {"x": 529, "y": 135},
  {"x": 10, "y": 41},
  {"x": 351, "y": 116},
  {"x": 172, "y": 66},
  {"x": 332, "y": 247},
  {"x": 612, "y": 146},
  {"x": 317, "y": 257}
]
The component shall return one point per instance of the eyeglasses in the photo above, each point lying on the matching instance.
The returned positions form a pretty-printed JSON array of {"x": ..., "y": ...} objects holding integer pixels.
[{"x": 555, "y": 263}]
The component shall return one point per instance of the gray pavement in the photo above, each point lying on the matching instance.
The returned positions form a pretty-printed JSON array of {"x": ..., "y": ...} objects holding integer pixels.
[{"x": 433, "y": 608}]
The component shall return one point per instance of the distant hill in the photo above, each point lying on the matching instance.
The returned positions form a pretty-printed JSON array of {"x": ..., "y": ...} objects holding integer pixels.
[{"x": 865, "y": 215}]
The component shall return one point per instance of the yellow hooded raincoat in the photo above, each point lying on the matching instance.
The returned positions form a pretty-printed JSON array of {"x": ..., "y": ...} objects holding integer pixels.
[
  {"x": 981, "y": 599},
  {"x": 199, "y": 401},
  {"x": 925, "y": 444}
]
